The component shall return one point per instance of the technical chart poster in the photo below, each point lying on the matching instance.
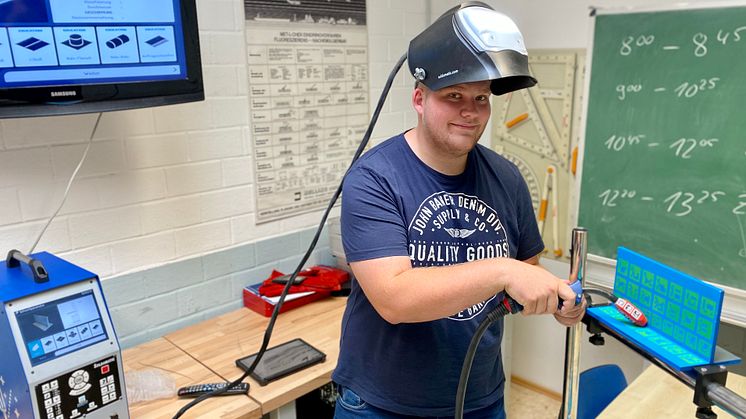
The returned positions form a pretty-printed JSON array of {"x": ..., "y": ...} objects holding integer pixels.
[{"x": 308, "y": 99}]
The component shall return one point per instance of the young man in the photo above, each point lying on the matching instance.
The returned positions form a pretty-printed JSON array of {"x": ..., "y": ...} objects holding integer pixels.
[{"x": 436, "y": 228}]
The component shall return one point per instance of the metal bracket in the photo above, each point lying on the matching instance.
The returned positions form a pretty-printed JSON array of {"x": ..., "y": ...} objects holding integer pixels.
[
  {"x": 707, "y": 375},
  {"x": 594, "y": 328}
]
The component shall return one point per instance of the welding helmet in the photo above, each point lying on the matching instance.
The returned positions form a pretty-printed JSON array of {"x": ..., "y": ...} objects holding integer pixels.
[{"x": 468, "y": 43}]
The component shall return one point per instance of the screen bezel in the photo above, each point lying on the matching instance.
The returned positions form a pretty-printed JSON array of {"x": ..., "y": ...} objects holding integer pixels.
[
  {"x": 39, "y": 101},
  {"x": 67, "y": 361},
  {"x": 56, "y": 302}
]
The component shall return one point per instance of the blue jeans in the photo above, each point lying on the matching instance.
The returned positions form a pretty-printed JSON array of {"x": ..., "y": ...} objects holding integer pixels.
[{"x": 350, "y": 406}]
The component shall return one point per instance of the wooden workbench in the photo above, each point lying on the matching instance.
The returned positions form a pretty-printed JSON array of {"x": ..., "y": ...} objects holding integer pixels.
[
  {"x": 162, "y": 355},
  {"x": 218, "y": 342},
  {"x": 656, "y": 394}
]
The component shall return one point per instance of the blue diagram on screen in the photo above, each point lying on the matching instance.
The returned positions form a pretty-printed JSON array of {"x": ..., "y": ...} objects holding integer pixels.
[{"x": 77, "y": 42}]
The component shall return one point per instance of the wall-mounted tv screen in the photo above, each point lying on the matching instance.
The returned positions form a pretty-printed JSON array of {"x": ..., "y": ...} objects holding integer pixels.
[{"x": 76, "y": 56}]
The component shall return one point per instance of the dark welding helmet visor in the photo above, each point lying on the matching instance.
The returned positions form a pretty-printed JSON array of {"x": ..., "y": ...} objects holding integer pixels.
[{"x": 471, "y": 42}]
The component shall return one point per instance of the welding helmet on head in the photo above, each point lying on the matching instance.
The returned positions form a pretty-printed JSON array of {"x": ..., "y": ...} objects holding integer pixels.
[{"x": 471, "y": 42}]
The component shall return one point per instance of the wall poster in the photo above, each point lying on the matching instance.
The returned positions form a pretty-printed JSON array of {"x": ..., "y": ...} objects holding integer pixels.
[{"x": 308, "y": 99}]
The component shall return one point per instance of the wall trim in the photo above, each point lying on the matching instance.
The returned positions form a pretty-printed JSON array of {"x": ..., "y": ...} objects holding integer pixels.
[{"x": 514, "y": 379}]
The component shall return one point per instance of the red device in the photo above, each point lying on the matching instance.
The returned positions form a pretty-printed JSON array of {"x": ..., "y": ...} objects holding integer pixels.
[{"x": 631, "y": 312}]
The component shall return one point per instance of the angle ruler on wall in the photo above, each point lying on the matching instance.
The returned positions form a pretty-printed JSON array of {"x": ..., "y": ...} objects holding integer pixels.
[
  {"x": 534, "y": 128},
  {"x": 539, "y": 119}
]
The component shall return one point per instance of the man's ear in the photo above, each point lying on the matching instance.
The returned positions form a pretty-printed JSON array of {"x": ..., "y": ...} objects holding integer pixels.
[{"x": 418, "y": 99}]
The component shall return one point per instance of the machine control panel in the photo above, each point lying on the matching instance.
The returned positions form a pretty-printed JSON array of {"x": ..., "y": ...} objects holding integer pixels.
[
  {"x": 59, "y": 357},
  {"x": 81, "y": 391}
]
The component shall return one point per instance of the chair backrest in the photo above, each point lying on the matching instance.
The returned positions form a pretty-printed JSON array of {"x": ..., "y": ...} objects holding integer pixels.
[{"x": 597, "y": 387}]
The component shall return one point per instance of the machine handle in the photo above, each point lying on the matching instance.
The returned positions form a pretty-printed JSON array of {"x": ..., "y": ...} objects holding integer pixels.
[{"x": 37, "y": 269}]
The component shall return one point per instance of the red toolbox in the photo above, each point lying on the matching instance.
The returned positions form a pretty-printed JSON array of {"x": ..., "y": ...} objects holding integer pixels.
[
  {"x": 265, "y": 305},
  {"x": 310, "y": 285}
]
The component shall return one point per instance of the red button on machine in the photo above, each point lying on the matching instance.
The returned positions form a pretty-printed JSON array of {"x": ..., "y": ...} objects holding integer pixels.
[{"x": 104, "y": 369}]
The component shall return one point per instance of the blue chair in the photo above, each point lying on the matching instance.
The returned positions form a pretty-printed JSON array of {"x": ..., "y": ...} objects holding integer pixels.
[{"x": 597, "y": 387}]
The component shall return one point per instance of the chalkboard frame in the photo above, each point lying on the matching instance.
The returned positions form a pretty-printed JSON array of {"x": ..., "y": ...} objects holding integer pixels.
[{"x": 601, "y": 269}]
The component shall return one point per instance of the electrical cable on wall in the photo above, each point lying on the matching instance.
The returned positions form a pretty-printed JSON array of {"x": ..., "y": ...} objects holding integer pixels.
[
  {"x": 69, "y": 183},
  {"x": 307, "y": 255}
]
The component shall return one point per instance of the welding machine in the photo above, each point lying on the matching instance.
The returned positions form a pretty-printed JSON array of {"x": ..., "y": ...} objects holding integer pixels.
[{"x": 60, "y": 355}]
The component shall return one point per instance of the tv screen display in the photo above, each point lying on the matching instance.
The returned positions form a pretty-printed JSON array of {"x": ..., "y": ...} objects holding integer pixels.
[{"x": 76, "y": 56}]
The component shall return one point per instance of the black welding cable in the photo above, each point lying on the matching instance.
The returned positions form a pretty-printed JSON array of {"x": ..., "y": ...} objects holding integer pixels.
[
  {"x": 609, "y": 296},
  {"x": 499, "y": 312},
  {"x": 307, "y": 255},
  {"x": 509, "y": 306}
]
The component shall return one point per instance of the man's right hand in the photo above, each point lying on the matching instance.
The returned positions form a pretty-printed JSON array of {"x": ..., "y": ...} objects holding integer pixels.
[{"x": 535, "y": 288}]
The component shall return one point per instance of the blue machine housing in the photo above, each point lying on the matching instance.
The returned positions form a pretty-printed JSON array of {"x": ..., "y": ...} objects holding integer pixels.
[{"x": 17, "y": 283}]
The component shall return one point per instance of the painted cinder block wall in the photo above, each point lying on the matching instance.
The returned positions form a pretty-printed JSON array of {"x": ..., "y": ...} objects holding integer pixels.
[{"x": 163, "y": 209}]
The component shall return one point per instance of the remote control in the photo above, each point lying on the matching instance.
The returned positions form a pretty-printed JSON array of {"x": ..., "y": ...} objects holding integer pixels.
[{"x": 200, "y": 389}]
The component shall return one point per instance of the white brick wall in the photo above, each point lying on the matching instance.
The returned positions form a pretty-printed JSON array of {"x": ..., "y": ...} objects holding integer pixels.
[
  {"x": 98, "y": 227},
  {"x": 161, "y": 184},
  {"x": 10, "y": 210},
  {"x": 156, "y": 150},
  {"x": 40, "y": 201},
  {"x": 30, "y": 166},
  {"x": 143, "y": 251},
  {"x": 215, "y": 144},
  {"x": 244, "y": 227},
  {"x": 27, "y": 133},
  {"x": 164, "y": 207},
  {"x": 202, "y": 238},
  {"x": 170, "y": 213},
  {"x": 134, "y": 186},
  {"x": 56, "y": 239},
  {"x": 104, "y": 157},
  {"x": 126, "y": 124},
  {"x": 165, "y": 191},
  {"x": 391, "y": 25}
]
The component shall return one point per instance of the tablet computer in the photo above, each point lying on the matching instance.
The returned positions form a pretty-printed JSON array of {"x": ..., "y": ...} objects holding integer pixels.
[{"x": 282, "y": 360}]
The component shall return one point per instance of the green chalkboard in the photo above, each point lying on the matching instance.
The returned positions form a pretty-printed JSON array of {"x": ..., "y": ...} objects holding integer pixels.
[{"x": 664, "y": 155}]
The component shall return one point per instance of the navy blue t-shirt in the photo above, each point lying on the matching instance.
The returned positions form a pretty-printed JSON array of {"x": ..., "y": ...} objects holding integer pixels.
[{"x": 395, "y": 205}]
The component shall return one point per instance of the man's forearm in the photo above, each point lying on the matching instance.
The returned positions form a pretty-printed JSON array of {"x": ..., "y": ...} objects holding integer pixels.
[{"x": 424, "y": 294}]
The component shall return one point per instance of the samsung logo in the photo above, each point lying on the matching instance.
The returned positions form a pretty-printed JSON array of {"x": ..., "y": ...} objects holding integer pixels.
[{"x": 64, "y": 93}]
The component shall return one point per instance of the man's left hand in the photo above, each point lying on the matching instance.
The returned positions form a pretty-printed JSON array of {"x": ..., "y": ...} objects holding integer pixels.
[{"x": 570, "y": 314}]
